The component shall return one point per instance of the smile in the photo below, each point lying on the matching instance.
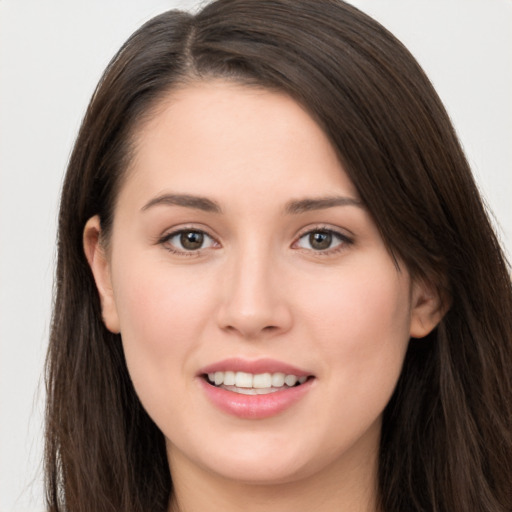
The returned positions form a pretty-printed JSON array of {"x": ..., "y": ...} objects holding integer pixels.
[
  {"x": 255, "y": 390},
  {"x": 254, "y": 384}
]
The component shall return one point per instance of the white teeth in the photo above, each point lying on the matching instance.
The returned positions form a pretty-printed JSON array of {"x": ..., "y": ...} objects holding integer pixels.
[
  {"x": 278, "y": 380},
  {"x": 262, "y": 380},
  {"x": 251, "y": 391},
  {"x": 219, "y": 378},
  {"x": 242, "y": 380},
  {"x": 265, "y": 391},
  {"x": 290, "y": 380},
  {"x": 262, "y": 383},
  {"x": 229, "y": 378},
  {"x": 244, "y": 391}
]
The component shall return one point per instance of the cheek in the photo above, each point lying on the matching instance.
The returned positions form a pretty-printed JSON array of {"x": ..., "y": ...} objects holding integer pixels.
[
  {"x": 159, "y": 306},
  {"x": 163, "y": 313},
  {"x": 356, "y": 301},
  {"x": 360, "y": 328},
  {"x": 360, "y": 324}
]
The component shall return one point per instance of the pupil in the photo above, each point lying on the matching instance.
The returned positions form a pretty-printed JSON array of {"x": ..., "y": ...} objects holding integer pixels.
[
  {"x": 191, "y": 240},
  {"x": 320, "y": 240}
]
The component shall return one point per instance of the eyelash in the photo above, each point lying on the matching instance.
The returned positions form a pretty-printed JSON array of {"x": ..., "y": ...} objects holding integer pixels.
[
  {"x": 343, "y": 241},
  {"x": 166, "y": 239}
]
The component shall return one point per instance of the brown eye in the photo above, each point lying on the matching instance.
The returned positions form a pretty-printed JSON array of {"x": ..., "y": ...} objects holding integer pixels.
[
  {"x": 320, "y": 240},
  {"x": 187, "y": 241},
  {"x": 191, "y": 240}
]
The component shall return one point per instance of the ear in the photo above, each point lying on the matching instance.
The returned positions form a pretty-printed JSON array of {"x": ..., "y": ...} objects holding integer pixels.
[
  {"x": 428, "y": 309},
  {"x": 100, "y": 266}
]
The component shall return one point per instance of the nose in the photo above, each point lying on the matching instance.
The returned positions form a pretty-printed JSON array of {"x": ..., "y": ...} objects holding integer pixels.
[{"x": 254, "y": 303}]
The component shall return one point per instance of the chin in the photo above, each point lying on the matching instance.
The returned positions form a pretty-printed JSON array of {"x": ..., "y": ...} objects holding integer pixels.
[
  {"x": 253, "y": 460},
  {"x": 269, "y": 472}
]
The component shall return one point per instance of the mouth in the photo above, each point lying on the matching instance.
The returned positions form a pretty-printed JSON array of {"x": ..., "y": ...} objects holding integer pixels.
[
  {"x": 255, "y": 389},
  {"x": 246, "y": 383}
]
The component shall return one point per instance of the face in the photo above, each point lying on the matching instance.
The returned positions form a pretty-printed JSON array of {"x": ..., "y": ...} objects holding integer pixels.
[{"x": 242, "y": 256}]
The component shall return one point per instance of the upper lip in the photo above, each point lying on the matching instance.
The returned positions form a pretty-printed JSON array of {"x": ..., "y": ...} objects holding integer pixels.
[{"x": 256, "y": 366}]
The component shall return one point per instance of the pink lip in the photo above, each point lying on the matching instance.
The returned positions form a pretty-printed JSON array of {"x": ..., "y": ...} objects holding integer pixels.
[
  {"x": 254, "y": 406},
  {"x": 236, "y": 364}
]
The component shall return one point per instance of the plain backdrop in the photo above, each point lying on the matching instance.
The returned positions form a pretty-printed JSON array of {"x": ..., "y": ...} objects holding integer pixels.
[{"x": 52, "y": 54}]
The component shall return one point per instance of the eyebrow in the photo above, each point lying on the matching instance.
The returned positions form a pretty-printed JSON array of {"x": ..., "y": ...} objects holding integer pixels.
[
  {"x": 292, "y": 207},
  {"x": 186, "y": 200},
  {"x": 320, "y": 203}
]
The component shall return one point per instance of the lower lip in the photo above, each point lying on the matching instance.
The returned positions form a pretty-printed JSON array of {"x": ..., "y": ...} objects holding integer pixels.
[{"x": 255, "y": 406}]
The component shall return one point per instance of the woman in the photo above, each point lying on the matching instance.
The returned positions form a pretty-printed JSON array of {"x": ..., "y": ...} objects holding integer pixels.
[{"x": 277, "y": 285}]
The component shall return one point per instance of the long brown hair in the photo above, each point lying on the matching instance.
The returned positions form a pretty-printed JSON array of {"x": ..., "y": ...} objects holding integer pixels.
[{"x": 447, "y": 437}]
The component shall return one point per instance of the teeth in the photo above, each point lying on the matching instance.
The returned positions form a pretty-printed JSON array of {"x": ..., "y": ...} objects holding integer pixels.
[
  {"x": 262, "y": 380},
  {"x": 266, "y": 382},
  {"x": 229, "y": 378},
  {"x": 290, "y": 380},
  {"x": 242, "y": 379},
  {"x": 278, "y": 380},
  {"x": 251, "y": 391}
]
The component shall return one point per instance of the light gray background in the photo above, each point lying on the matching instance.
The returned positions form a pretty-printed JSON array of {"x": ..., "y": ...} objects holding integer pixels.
[{"x": 51, "y": 56}]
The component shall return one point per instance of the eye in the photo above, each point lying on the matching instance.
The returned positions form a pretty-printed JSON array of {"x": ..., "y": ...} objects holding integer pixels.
[
  {"x": 187, "y": 240},
  {"x": 322, "y": 240}
]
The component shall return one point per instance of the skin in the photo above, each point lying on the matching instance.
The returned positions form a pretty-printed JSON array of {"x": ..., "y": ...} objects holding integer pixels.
[{"x": 257, "y": 288}]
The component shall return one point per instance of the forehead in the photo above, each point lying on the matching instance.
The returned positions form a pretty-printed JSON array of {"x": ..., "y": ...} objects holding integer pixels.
[{"x": 216, "y": 136}]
